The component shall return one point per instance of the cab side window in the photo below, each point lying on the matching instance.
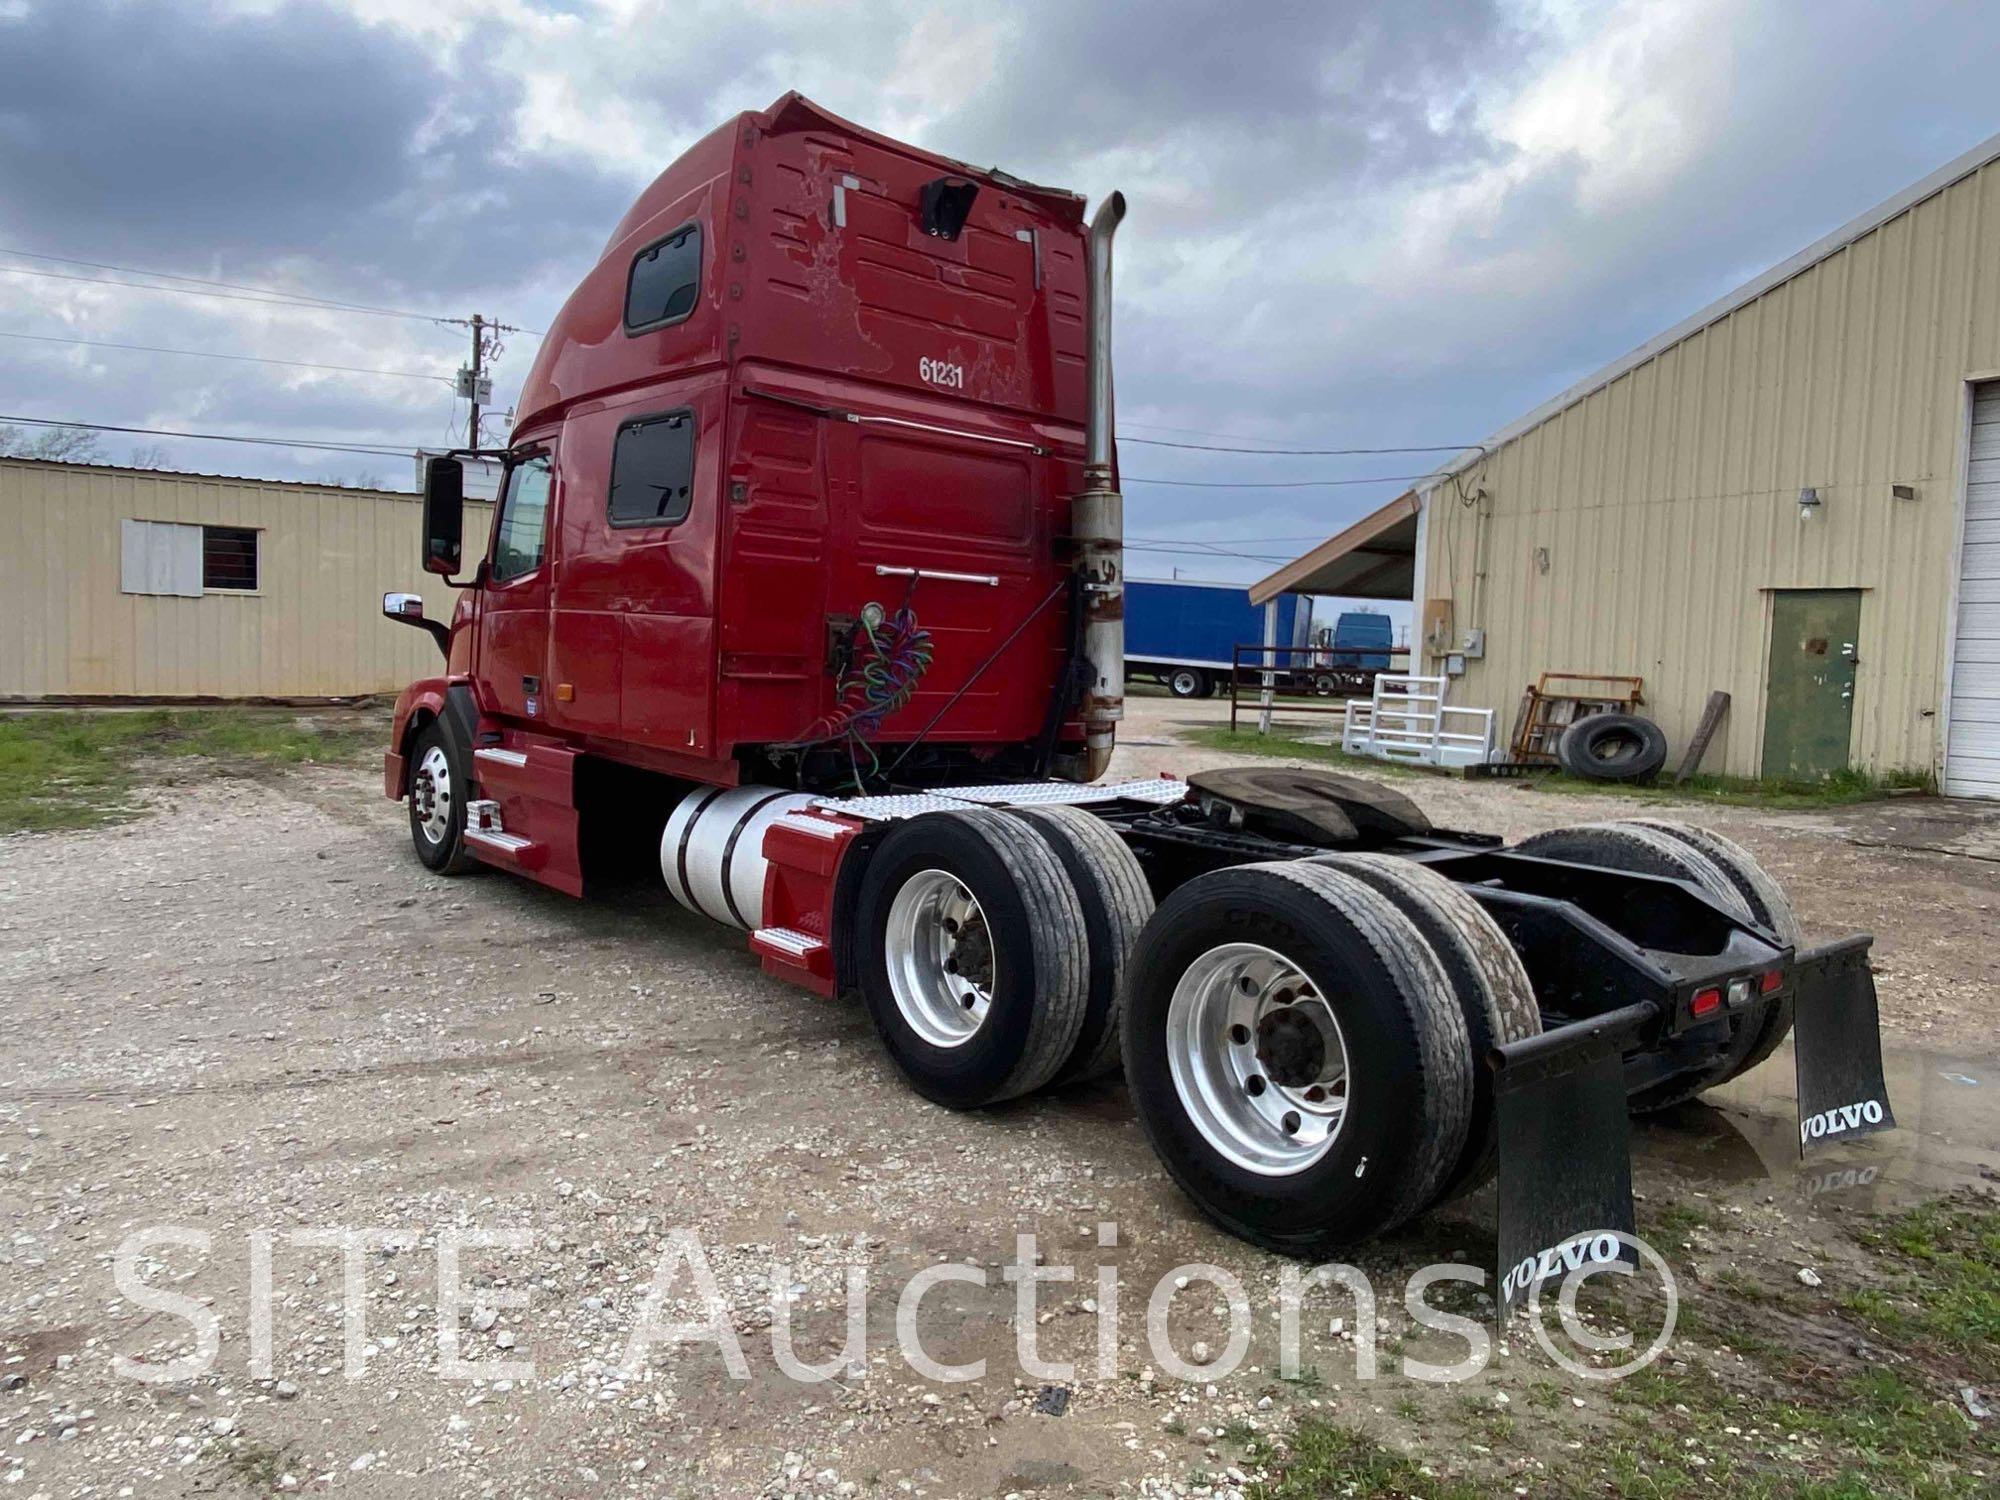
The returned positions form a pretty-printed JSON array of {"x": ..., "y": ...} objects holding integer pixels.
[
  {"x": 652, "y": 470},
  {"x": 522, "y": 537}
]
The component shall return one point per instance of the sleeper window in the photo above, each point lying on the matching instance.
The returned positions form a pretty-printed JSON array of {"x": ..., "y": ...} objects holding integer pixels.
[
  {"x": 666, "y": 276},
  {"x": 652, "y": 470}
]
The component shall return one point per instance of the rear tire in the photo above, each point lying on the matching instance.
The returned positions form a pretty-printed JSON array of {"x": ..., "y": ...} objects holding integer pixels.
[
  {"x": 973, "y": 956},
  {"x": 1645, "y": 850},
  {"x": 1769, "y": 905},
  {"x": 1494, "y": 993},
  {"x": 1250, "y": 989},
  {"x": 1188, "y": 682},
  {"x": 439, "y": 786},
  {"x": 1115, "y": 899}
]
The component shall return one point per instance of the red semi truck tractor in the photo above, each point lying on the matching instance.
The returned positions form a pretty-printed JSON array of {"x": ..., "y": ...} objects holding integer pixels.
[{"x": 807, "y": 572}]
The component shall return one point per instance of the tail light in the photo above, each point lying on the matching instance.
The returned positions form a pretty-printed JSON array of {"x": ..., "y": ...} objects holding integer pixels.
[
  {"x": 1770, "y": 980},
  {"x": 1706, "y": 1002}
]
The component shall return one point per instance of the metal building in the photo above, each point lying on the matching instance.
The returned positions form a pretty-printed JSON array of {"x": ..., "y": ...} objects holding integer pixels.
[
  {"x": 1793, "y": 496},
  {"x": 135, "y": 583}
]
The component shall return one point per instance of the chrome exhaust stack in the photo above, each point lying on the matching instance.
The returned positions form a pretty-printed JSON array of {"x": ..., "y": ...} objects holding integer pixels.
[{"x": 1097, "y": 522}]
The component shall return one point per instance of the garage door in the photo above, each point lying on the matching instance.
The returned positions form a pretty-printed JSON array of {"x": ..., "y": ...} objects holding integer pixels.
[{"x": 1972, "y": 748}]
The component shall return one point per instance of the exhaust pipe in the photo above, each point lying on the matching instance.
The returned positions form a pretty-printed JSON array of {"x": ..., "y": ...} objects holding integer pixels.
[{"x": 1097, "y": 521}]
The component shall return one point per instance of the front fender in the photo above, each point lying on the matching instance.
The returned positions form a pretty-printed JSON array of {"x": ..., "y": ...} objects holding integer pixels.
[{"x": 419, "y": 703}]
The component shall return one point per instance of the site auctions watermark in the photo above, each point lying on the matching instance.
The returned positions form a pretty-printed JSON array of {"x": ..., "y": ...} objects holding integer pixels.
[{"x": 681, "y": 1305}]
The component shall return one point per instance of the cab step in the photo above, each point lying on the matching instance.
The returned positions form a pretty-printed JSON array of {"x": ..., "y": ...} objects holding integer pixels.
[{"x": 799, "y": 956}]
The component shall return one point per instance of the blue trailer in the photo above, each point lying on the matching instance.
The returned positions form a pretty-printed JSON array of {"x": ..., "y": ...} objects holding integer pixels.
[{"x": 1184, "y": 634}]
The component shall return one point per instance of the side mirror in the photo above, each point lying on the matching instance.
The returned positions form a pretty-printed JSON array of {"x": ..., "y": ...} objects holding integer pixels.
[
  {"x": 444, "y": 516},
  {"x": 408, "y": 609}
]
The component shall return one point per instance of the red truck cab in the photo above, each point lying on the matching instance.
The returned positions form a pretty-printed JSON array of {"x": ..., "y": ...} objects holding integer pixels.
[{"x": 814, "y": 369}]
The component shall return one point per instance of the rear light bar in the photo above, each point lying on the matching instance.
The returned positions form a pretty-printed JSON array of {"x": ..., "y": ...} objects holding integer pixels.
[{"x": 1709, "y": 999}]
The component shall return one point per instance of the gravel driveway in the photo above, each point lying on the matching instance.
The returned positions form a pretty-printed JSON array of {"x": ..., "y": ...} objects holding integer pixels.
[{"x": 252, "y": 1013}]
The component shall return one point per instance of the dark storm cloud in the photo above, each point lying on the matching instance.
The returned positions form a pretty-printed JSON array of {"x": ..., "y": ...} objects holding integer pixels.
[
  {"x": 1341, "y": 232},
  {"x": 184, "y": 137},
  {"x": 1248, "y": 103}
]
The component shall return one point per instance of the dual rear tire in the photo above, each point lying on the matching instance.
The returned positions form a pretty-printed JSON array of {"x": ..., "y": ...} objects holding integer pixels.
[
  {"x": 1728, "y": 874},
  {"x": 1303, "y": 1040},
  {"x": 992, "y": 949},
  {"x": 1304, "y": 1045}
]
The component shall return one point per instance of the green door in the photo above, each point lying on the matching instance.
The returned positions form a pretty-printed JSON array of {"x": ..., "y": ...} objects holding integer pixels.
[{"x": 1809, "y": 696}]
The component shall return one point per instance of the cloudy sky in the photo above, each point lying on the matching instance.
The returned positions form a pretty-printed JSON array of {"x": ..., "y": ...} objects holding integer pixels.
[{"x": 1351, "y": 225}]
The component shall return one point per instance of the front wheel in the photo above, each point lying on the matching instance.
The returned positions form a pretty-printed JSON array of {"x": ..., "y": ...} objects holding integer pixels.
[{"x": 437, "y": 791}]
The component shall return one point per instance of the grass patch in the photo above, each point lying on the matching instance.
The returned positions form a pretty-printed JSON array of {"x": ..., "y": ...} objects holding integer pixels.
[
  {"x": 1249, "y": 742},
  {"x": 1255, "y": 1445},
  {"x": 1874, "y": 1433},
  {"x": 1841, "y": 789},
  {"x": 77, "y": 769},
  {"x": 257, "y": 1466},
  {"x": 1675, "y": 1221},
  {"x": 1948, "y": 1293},
  {"x": 1328, "y": 1460}
]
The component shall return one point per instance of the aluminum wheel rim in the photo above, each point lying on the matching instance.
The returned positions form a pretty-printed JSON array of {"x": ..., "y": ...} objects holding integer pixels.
[
  {"x": 940, "y": 958},
  {"x": 1258, "y": 1059},
  {"x": 432, "y": 794}
]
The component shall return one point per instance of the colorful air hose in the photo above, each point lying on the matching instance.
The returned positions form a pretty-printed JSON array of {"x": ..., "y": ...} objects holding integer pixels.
[{"x": 886, "y": 657}]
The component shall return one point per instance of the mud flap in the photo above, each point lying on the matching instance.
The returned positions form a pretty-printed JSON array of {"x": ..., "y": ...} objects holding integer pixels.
[
  {"x": 1565, "y": 1175},
  {"x": 1837, "y": 1045}
]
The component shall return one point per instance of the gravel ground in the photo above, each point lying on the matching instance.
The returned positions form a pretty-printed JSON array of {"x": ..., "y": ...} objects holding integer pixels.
[{"x": 252, "y": 1013}]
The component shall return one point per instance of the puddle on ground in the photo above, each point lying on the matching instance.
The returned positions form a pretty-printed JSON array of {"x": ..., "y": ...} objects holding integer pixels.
[{"x": 1947, "y": 1135}]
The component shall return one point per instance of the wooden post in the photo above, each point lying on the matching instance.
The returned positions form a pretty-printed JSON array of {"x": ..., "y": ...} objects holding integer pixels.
[{"x": 1704, "y": 731}]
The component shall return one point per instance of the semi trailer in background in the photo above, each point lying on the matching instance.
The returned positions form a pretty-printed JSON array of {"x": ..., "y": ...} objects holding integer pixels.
[
  {"x": 807, "y": 578},
  {"x": 1184, "y": 634}
]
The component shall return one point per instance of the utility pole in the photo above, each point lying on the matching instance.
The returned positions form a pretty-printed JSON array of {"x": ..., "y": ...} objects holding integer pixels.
[{"x": 478, "y": 342}]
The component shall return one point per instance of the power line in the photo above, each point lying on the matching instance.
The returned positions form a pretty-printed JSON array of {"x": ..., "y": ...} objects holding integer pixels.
[
  {"x": 1277, "y": 484},
  {"x": 215, "y": 437},
  {"x": 1243, "y": 437},
  {"x": 267, "y": 292},
  {"x": 1218, "y": 555},
  {"x": 274, "y": 295},
  {"x": 1307, "y": 452},
  {"x": 189, "y": 291},
  {"x": 1247, "y": 541},
  {"x": 255, "y": 359}
]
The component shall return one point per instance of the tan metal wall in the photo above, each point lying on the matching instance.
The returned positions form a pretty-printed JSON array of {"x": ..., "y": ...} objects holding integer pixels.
[
  {"x": 1667, "y": 501},
  {"x": 313, "y": 628}
]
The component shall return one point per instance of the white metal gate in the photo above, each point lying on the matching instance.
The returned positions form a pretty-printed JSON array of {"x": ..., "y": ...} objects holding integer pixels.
[
  {"x": 1972, "y": 743},
  {"x": 1409, "y": 720}
]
